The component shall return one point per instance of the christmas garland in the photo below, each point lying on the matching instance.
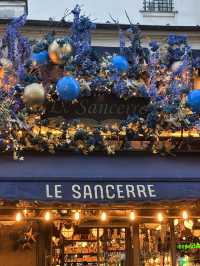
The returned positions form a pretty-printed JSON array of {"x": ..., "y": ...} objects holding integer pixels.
[{"x": 36, "y": 75}]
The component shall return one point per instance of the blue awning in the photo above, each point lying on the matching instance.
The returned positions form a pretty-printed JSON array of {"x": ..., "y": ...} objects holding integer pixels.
[{"x": 98, "y": 179}]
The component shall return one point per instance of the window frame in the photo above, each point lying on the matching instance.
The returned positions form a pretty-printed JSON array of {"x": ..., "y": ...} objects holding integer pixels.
[
  {"x": 158, "y": 6},
  {"x": 11, "y": 3}
]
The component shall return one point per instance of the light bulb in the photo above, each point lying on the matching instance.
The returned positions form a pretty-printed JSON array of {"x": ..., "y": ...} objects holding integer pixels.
[
  {"x": 47, "y": 216},
  {"x": 176, "y": 222},
  {"x": 132, "y": 216},
  {"x": 77, "y": 216},
  {"x": 103, "y": 217},
  {"x": 185, "y": 215},
  {"x": 160, "y": 217},
  {"x": 18, "y": 217}
]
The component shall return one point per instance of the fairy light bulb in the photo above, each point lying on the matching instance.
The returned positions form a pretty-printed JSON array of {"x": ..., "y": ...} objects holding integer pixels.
[
  {"x": 47, "y": 216},
  {"x": 185, "y": 215},
  {"x": 103, "y": 217},
  {"x": 132, "y": 216},
  {"x": 18, "y": 217},
  {"x": 77, "y": 216},
  {"x": 160, "y": 217}
]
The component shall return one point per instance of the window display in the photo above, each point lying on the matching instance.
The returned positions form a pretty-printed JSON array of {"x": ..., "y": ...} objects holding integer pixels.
[
  {"x": 88, "y": 246},
  {"x": 187, "y": 242},
  {"x": 155, "y": 244}
]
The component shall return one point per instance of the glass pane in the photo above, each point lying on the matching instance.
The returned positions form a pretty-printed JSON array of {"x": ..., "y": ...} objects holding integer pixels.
[
  {"x": 73, "y": 245},
  {"x": 187, "y": 242},
  {"x": 155, "y": 244}
]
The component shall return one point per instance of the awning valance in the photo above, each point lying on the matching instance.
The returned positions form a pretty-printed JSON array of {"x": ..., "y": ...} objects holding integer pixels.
[{"x": 97, "y": 179}]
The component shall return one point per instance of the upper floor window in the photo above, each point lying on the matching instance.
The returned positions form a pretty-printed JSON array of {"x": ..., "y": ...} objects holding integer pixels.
[
  {"x": 158, "y": 6},
  {"x": 12, "y": 8}
]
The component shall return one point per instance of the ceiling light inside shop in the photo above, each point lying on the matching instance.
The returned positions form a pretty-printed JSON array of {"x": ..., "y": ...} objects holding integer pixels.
[
  {"x": 18, "y": 217},
  {"x": 185, "y": 215},
  {"x": 77, "y": 216},
  {"x": 103, "y": 216},
  {"x": 132, "y": 216},
  {"x": 160, "y": 217}
]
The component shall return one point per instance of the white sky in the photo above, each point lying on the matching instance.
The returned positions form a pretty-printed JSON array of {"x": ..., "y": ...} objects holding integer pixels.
[{"x": 96, "y": 9}]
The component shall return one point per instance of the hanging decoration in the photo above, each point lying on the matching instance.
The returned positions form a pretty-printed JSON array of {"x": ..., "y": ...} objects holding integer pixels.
[
  {"x": 68, "y": 89},
  {"x": 67, "y": 231},
  {"x": 60, "y": 51},
  {"x": 62, "y": 74},
  {"x": 25, "y": 238},
  {"x": 40, "y": 58},
  {"x": 120, "y": 63},
  {"x": 34, "y": 94},
  {"x": 194, "y": 100}
]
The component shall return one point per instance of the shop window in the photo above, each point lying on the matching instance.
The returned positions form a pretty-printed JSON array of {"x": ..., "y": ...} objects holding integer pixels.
[
  {"x": 187, "y": 242},
  {"x": 88, "y": 246},
  {"x": 10, "y": 9},
  {"x": 155, "y": 244}
]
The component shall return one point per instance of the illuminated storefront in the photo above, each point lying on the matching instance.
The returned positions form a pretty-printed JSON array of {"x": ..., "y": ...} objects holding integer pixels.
[{"x": 119, "y": 214}]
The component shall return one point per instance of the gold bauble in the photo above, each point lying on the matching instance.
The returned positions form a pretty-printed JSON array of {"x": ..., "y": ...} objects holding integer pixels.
[
  {"x": 175, "y": 66},
  {"x": 34, "y": 94},
  {"x": 58, "y": 51}
]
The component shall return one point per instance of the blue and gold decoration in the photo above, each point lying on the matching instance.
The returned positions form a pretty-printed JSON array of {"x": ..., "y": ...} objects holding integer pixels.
[{"x": 61, "y": 72}]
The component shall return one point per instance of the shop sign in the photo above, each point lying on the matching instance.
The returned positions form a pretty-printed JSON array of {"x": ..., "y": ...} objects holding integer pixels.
[
  {"x": 99, "y": 108},
  {"x": 90, "y": 192},
  {"x": 99, "y": 192},
  {"x": 187, "y": 246}
]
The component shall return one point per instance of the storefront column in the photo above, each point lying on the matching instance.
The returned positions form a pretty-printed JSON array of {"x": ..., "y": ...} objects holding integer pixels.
[
  {"x": 173, "y": 242},
  {"x": 136, "y": 245},
  {"x": 129, "y": 248},
  {"x": 133, "y": 246},
  {"x": 44, "y": 245}
]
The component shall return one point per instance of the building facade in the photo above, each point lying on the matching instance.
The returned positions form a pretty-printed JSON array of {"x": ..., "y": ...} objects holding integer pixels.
[
  {"x": 131, "y": 209},
  {"x": 157, "y": 18}
]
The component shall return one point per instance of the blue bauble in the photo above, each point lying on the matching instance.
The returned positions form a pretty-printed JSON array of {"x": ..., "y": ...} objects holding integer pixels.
[
  {"x": 40, "y": 58},
  {"x": 120, "y": 63},
  {"x": 68, "y": 88},
  {"x": 194, "y": 100}
]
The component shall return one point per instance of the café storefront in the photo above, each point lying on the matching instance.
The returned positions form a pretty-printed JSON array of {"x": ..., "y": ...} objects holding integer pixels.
[{"x": 97, "y": 210}]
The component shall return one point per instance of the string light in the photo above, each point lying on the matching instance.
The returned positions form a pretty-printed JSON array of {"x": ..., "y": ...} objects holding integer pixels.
[
  {"x": 132, "y": 216},
  {"x": 18, "y": 217},
  {"x": 160, "y": 217},
  {"x": 47, "y": 216},
  {"x": 103, "y": 216},
  {"x": 185, "y": 215},
  {"x": 77, "y": 216}
]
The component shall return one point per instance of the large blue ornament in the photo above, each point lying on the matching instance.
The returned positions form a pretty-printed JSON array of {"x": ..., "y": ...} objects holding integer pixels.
[
  {"x": 40, "y": 58},
  {"x": 194, "y": 100},
  {"x": 120, "y": 63},
  {"x": 68, "y": 89}
]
